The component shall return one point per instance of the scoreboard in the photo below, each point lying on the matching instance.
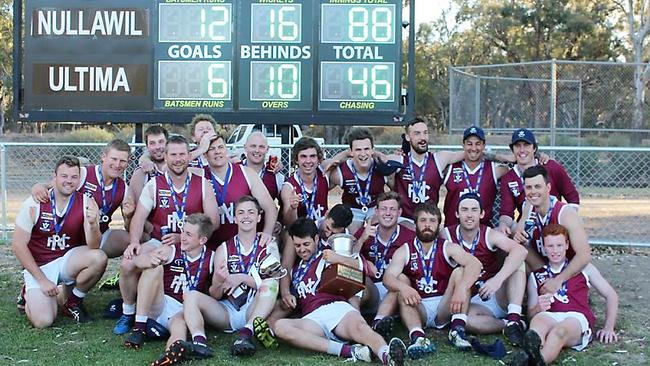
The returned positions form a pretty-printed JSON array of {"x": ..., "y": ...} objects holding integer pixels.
[{"x": 279, "y": 61}]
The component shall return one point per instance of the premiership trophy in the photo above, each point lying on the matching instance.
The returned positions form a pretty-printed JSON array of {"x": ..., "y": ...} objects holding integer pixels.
[
  {"x": 270, "y": 266},
  {"x": 339, "y": 279}
]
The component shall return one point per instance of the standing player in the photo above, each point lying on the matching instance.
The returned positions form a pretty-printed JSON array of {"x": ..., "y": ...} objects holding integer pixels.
[
  {"x": 240, "y": 299},
  {"x": 498, "y": 284},
  {"x": 305, "y": 193},
  {"x": 327, "y": 319},
  {"x": 58, "y": 242},
  {"x": 441, "y": 275},
  {"x": 105, "y": 185},
  {"x": 420, "y": 182},
  {"x": 357, "y": 176},
  {"x": 203, "y": 129},
  {"x": 524, "y": 147},
  {"x": 165, "y": 201},
  {"x": 547, "y": 209},
  {"x": 230, "y": 182},
  {"x": 168, "y": 273},
  {"x": 377, "y": 244},
  {"x": 256, "y": 149},
  {"x": 473, "y": 174},
  {"x": 155, "y": 137},
  {"x": 563, "y": 318}
]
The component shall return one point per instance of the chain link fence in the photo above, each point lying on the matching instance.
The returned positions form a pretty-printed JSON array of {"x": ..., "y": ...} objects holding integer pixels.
[
  {"x": 571, "y": 102},
  {"x": 614, "y": 183}
]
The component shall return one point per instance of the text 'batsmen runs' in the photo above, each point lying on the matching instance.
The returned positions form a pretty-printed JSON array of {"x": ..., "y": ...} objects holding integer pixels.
[{"x": 220, "y": 56}]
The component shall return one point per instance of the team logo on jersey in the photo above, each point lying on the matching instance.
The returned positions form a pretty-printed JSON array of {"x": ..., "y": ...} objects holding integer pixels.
[
  {"x": 514, "y": 188},
  {"x": 427, "y": 288},
  {"x": 233, "y": 263},
  {"x": 164, "y": 202},
  {"x": 414, "y": 262},
  {"x": 178, "y": 265},
  {"x": 45, "y": 225},
  {"x": 351, "y": 186},
  {"x": 164, "y": 193},
  {"x": 458, "y": 175},
  {"x": 89, "y": 187}
]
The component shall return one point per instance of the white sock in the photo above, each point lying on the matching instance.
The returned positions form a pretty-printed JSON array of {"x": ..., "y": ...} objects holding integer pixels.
[
  {"x": 78, "y": 293},
  {"x": 334, "y": 348},
  {"x": 383, "y": 350},
  {"x": 514, "y": 309},
  {"x": 462, "y": 317},
  {"x": 141, "y": 318},
  {"x": 128, "y": 309}
]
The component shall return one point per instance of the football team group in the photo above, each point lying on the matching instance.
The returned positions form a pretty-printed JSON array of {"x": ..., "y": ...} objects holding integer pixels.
[{"x": 213, "y": 239}]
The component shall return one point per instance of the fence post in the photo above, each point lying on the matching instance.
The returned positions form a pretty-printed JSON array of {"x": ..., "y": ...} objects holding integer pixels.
[
  {"x": 579, "y": 172},
  {"x": 3, "y": 189},
  {"x": 477, "y": 100},
  {"x": 452, "y": 77},
  {"x": 553, "y": 114}
]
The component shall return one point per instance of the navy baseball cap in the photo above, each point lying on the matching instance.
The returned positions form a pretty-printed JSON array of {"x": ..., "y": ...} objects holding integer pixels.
[
  {"x": 523, "y": 134},
  {"x": 474, "y": 131}
]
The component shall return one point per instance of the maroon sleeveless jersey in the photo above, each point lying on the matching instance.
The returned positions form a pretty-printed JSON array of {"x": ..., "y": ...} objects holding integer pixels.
[
  {"x": 320, "y": 202},
  {"x": 44, "y": 244},
  {"x": 553, "y": 217},
  {"x": 305, "y": 278},
  {"x": 512, "y": 192},
  {"x": 351, "y": 197},
  {"x": 456, "y": 184},
  {"x": 164, "y": 214},
  {"x": 481, "y": 250},
  {"x": 409, "y": 192},
  {"x": 175, "y": 273},
  {"x": 572, "y": 296},
  {"x": 237, "y": 262},
  {"x": 92, "y": 188},
  {"x": 436, "y": 260},
  {"x": 237, "y": 187},
  {"x": 380, "y": 253}
]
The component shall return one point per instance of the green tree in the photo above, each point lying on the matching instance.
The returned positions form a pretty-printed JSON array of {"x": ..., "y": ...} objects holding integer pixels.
[{"x": 6, "y": 49}]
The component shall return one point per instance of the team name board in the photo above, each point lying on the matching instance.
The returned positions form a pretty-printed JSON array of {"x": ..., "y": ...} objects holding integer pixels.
[{"x": 218, "y": 56}]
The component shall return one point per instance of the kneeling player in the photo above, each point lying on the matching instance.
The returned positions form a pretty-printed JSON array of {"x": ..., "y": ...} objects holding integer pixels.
[
  {"x": 328, "y": 320},
  {"x": 377, "y": 244},
  {"x": 563, "y": 319},
  {"x": 169, "y": 272},
  {"x": 240, "y": 299},
  {"x": 441, "y": 275},
  {"x": 498, "y": 284}
]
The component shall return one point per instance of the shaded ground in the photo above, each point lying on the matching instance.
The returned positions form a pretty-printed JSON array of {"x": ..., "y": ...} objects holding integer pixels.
[{"x": 70, "y": 344}]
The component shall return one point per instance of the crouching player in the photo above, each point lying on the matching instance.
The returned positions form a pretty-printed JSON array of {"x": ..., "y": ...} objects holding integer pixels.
[
  {"x": 240, "y": 299},
  {"x": 441, "y": 275},
  {"x": 377, "y": 244},
  {"x": 563, "y": 319},
  {"x": 498, "y": 284},
  {"x": 58, "y": 242},
  {"x": 167, "y": 273},
  {"x": 328, "y": 320}
]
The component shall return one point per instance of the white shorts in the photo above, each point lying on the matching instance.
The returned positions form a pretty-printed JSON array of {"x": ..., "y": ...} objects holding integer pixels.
[
  {"x": 170, "y": 307},
  {"x": 105, "y": 236},
  {"x": 154, "y": 242},
  {"x": 430, "y": 305},
  {"x": 383, "y": 291},
  {"x": 53, "y": 271},
  {"x": 584, "y": 324},
  {"x": 237, "y": 318},
  {"x": 329, "y": 316},
  {"x": 492, "y": 304},
  {"x": 359, "y": 215}
]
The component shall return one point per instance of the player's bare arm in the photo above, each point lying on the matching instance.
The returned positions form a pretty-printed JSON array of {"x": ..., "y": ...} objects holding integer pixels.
[
  {"x": 259, "y": 191},
  {"x": 516, "y": 254},
  {"x": 597, "y": 281},
  {"x": 91, "y": 223}
]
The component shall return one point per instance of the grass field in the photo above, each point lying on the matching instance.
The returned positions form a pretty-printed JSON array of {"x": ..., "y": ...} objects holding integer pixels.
[{"x": 67, "y": 343}]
